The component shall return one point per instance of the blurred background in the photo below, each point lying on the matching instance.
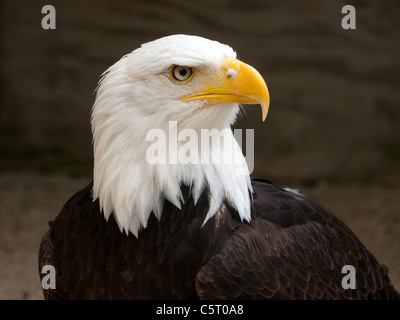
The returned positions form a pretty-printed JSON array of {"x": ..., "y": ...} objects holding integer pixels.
[{"x": 333, "y": 130}]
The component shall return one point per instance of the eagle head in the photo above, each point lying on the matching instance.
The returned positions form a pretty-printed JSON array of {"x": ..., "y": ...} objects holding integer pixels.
[{"x": 192, "y": 83}]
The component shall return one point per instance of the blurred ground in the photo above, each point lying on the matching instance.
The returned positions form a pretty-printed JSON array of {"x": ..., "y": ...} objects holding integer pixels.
[{"x": 29, "y": 200}]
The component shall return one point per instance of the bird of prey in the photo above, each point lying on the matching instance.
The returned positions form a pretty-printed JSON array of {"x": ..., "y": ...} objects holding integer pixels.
[{"x": 165, "y": 218}]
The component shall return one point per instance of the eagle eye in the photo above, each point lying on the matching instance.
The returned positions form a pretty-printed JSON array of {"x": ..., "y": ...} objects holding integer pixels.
[{"x": 181, "y": 73}]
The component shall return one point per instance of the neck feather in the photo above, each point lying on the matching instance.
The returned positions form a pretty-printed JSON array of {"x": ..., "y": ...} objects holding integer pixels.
[{"x": 131, "y": 188}]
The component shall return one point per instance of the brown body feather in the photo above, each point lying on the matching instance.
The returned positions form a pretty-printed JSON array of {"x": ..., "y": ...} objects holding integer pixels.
[{"x": 292, "y": 249}]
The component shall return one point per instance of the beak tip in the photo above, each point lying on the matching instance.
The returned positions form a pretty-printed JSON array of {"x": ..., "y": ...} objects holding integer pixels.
[
  {"x": 264, "y": 108},
  {"x": 264, "y": 116}
]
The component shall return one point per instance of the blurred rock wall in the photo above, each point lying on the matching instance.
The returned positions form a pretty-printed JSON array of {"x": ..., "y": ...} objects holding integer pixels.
[{"x": 335, "y": 96}]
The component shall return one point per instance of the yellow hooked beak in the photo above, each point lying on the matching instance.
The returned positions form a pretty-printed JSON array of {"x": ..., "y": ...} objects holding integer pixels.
[{"x": 236, "y": 82}]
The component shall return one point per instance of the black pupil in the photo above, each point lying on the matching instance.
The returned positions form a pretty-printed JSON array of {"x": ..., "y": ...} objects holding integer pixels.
[{"x": 182, "y": 72}]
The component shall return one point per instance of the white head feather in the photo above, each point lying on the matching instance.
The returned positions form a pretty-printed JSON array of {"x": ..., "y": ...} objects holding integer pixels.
[{"x": 136, "y": 95}]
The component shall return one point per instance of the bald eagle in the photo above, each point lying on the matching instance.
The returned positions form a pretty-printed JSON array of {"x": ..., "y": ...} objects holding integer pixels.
[{"x": 199, "y": 228}]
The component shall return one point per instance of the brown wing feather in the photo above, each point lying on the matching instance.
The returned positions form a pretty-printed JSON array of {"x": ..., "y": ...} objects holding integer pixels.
[
  {"x": 292, "y": 249},
  {"x": 94, "y": 260},
  {"x": 47, "y": 257}
]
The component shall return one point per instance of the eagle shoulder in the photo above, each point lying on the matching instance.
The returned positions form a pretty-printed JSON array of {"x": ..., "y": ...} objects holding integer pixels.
[{"x": 293, "y": 249}]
